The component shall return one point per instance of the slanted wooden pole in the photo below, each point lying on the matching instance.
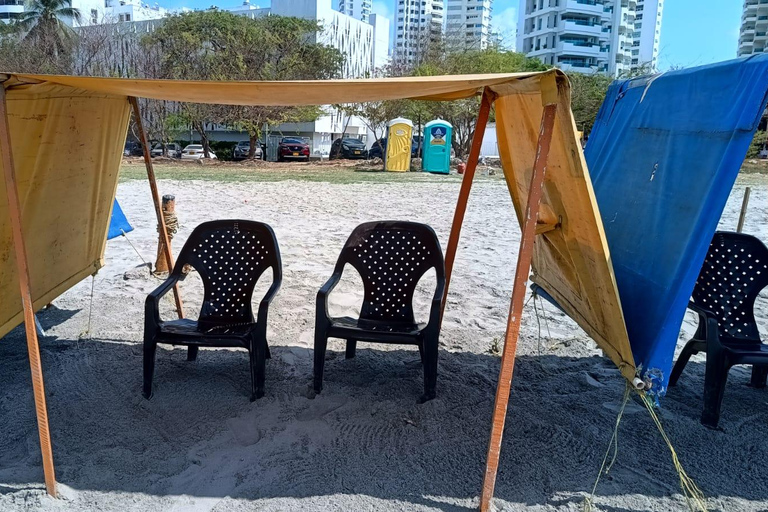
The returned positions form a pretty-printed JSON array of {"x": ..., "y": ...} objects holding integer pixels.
[
  {"x": 466, "y": 186},
  {"x": 743, "y": 214},
  {"x": 22, "y": 268},
  {"x": 524, "y": 257},
  {"x": 156, "y": 198}
]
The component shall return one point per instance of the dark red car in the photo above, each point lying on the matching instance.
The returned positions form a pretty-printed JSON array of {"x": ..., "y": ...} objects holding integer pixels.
[{"x": 292, "y": 148}]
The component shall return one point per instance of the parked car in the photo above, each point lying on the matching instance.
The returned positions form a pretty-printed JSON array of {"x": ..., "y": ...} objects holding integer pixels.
[
  {"x": 133, "y": 148},
  {"x": 292, "y": 148},
  {"x": 348, "y": 148},
  {"x": 379, "y": 148},
  {"x": 174, "y": 150},
  {"x": 195, "y": 152},
  {"x": 243, "y": 149}
]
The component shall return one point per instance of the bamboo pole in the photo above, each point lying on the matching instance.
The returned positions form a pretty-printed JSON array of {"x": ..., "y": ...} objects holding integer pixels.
[
  {"x": 524, "y": 258},
  {"x": 466, "y": 186},
  {"x": 743, "y": 214},
  {"x": 22, "y": 268},
  {"x": 156, "y": 198}
]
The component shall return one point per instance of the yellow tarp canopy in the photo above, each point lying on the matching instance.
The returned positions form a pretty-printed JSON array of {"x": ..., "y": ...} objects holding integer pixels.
[{"x": 67, "y": 137}]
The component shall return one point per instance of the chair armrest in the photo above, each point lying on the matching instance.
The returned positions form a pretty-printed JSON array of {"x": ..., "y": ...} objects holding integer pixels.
[
  {"x": 437, "y": 305},
  {"x": 152, "y": 304},
  {"x": 700, "y": 310},
  {"x": 264, "y": 304},
  {"x": 707, "y": 323},
  {"x": 322, "y": 294}
]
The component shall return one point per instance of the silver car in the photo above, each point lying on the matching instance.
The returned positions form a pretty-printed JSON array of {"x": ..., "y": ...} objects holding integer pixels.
[{"x": 243, "y": 148}]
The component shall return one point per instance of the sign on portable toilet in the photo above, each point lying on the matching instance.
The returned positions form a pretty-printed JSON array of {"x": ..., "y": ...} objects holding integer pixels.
[
  {"x": 437, "y": 146},
  {"x": 399, "y": 140}
]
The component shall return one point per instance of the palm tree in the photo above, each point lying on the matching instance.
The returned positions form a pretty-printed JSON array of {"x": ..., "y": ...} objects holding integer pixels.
[{"x": 42, "y": 19}]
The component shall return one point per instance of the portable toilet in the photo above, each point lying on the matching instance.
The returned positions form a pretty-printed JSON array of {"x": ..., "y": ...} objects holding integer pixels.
[
  {"x": 399, "y": 140},
  {"x": 437, "y": 147}
]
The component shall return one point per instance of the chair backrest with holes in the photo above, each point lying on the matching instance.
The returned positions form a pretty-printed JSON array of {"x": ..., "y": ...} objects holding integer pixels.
[
  {"x": 230, "y": 257},
  {"x": 735, "y": 270},
  {"x": 391, "y": 257}
]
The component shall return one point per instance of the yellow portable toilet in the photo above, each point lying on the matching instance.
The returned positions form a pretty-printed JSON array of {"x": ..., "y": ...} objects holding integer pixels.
[{"x": 399, "y": 141}]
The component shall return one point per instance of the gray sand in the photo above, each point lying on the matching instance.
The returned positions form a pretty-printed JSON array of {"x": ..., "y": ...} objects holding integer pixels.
[{"x": 364, "y": 443}]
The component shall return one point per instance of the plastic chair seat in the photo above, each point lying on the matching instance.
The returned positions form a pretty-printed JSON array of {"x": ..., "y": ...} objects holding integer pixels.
[
  {"x": 375, "y": 330},
  {"x": 186, "y": 331}
]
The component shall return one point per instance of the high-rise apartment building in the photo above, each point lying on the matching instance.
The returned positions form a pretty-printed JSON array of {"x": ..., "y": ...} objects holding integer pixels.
[
  {"x": 358, "y": 9},
  {"x": 590, "y": 36},
  {"x": 419, "y": 24},
  {"x": 468, "y": 24},
  {"x": 645, "y": 47},
  {"x": 753, "y": 37}
]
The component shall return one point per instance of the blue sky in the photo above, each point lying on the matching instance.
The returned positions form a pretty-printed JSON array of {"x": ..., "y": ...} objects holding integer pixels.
[{"x": 693, "y": 32}]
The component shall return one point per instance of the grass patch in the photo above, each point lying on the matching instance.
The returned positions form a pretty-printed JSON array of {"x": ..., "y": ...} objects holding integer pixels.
[{"x": 283, "y": 172}]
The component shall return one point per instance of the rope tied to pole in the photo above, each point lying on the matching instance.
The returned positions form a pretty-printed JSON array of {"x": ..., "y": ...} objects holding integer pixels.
[{"x": 171, "y": 222}]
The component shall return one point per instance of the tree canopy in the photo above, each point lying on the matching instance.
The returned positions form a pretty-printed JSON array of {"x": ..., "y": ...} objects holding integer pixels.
[{"x": 219, "y": 45}]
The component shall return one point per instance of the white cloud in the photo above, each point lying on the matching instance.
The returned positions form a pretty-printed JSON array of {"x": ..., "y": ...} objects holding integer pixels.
[{"x": 505, "y": 23}]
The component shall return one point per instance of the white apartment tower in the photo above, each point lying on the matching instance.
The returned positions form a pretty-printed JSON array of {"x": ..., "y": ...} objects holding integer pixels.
[
  {"x": 468, "y": 24},
  {"x": 358, "y": 9},
  {"x": 590, "y": 36},
  {"x": 754, "y": 27},
  {"x": 419, "y": 24},
  {"x": 645, "y": 47}
]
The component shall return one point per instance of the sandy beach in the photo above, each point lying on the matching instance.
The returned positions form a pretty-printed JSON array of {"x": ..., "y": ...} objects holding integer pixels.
[{"x": 364, "y": 444}]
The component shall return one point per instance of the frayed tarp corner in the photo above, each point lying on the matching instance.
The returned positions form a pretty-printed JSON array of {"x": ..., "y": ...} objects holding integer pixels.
[{"x": 118, "y": 223}]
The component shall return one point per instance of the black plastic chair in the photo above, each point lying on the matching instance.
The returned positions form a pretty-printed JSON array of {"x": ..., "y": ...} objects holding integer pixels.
[
  {"x": 230, "y": 256},
  {"x": 734, "y": 272},
  {"x": 390, "y": 257}
]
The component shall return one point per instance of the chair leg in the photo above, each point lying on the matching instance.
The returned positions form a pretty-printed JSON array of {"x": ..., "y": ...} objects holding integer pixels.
[
  {"x": 429, "y": 358},
  {"x": 321, "y": 343},
  {"x": 682, "y": 360},
  {"x": 714, "y": 387},
  {"x": 421, "y": 352},
  {"x": 258, "y": 359},
  {"x": 192, "y": 352},
  {"x": 269, "y": 354},
  {"x": 351, "y": 347},
  {"x": 150, "y": 347},
  {"x": 759, "y": 375}
]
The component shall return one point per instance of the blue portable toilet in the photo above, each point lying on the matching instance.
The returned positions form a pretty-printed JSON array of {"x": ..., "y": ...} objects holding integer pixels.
[{"x": 437, "y": 147}]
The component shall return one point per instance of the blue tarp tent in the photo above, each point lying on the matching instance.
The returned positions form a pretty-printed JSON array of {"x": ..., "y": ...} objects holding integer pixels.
[
  {"x": 663, "y": 156},
  {"x": 118, "y": 224}
]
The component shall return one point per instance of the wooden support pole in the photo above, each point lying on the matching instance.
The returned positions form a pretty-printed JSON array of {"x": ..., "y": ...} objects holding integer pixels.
[
  {"x": 743, "y": 214},
  {"x": 155, "y": 197},
  {"x": 524, "y": 257},
  {"x": 466, "y": 186},
  {"x": 22, "y": 268}
]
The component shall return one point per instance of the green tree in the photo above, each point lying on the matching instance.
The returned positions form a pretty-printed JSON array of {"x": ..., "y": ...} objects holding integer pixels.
[
  {"x": 462, "y": 114},
  {"x": 587, "y": 95},
  {"x": 218, "y": 45},
  {"x": 43, "y": 23}
]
